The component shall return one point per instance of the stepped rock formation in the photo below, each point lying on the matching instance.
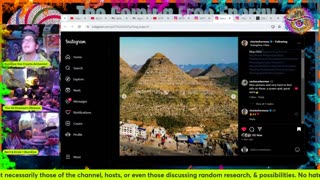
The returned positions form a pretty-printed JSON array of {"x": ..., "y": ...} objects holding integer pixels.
[{"x": 160, "y": 72}]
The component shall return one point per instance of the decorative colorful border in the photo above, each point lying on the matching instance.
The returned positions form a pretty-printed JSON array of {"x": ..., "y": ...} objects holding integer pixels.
[{"x": 160, "y": 3}]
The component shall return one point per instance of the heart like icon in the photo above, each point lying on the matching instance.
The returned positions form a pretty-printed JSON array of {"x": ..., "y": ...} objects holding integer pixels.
[
  {"x": 243, "y": 129},
  {"x": 68, "y": 112}
]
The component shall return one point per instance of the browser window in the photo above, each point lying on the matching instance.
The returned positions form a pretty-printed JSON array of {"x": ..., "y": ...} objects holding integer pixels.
[{"x": 185, "y": 89}]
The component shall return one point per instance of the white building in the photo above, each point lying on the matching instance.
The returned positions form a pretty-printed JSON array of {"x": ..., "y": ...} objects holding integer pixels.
[
  {"x": 142, "y": 133},
  {"x": 159, "y": 130},
  {"x": 129, "y": 130}
]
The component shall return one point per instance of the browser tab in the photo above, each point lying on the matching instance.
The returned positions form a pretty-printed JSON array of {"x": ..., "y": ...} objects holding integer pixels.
[
  {"x": 203, "y": 18},
  {"x": 243, "y": 18},
  {"x": 263, "y": 18},
  {"x": 119, "y": 18},
  {"x": 139, "y": 18},
  {"x": 225, "y": 18},
  {"x": 99, "y": 18}
]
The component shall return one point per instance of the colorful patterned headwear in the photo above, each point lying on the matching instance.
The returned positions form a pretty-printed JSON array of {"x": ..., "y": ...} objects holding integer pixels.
[{"x": 32, "y": 30}]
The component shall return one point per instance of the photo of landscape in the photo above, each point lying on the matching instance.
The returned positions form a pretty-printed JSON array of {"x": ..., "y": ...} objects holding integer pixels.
[{"x": 178, "y": 96}]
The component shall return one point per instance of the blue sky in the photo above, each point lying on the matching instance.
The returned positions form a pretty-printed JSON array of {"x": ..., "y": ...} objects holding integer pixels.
[{"x": 180, "y": 50}]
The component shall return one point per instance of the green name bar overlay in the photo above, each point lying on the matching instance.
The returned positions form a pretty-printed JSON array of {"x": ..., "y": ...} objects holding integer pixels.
[
  {"x": 158, "y": 174},
  {"x": 22, "y": 108},
  {"x": 17, "y": 64}
]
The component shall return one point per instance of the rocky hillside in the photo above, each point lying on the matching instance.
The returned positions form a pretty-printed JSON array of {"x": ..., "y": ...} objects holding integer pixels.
[
  {"x": 195, "y": 72},
  {"x": 229, "y": 72},
  {"x": 213, "y": 72},
  {"x": 160, "y": 89},
  {"x": 125, "y": 70},
  {"x": 126, "y": 74}
]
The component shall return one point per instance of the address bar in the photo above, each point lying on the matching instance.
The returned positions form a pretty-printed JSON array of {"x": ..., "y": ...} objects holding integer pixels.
[{"x": 120, "y": 27}]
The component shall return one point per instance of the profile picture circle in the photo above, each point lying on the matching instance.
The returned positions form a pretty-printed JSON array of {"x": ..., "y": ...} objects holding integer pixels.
[
  {"x": 244, "y": 82},
  {"x": 244, "y": 111},
  {"x": 244, "y": 149},
  {"x": 244, "y": 43}
]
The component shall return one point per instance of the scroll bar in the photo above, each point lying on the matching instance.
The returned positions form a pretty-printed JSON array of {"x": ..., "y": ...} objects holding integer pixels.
[{"x": 302, "y": 86}]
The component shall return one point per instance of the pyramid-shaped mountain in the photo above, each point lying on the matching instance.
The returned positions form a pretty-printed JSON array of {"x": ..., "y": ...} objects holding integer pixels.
[
  {"x": 213, "y": 72},
  {"x": 159, "y": 71},
  {"x": 195, "y": 72},
  {"x": 230, "y": 72},
  {"x": 125, "y": 70}
]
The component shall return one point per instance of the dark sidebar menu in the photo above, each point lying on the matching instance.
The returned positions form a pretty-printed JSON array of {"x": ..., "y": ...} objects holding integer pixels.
[{"x": 83, "y": 93}]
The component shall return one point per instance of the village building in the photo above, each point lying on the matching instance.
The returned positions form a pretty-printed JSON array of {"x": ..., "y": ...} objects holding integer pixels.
[
  {"x": 129, "y": 130},
  {"x": 133, "y": 130},
  {"x": 142, "y": 133},
  {"x": 158, "y": 132}
]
